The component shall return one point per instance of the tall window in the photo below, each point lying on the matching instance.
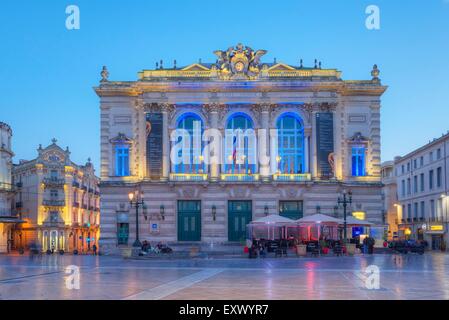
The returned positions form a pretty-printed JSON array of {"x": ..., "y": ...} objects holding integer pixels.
[
  {"x": 432, "y": 208},
  {"x": 431, "y": 179},
  {"x": 358, "y": 161},
  {"x": 439, "y": 177},
  {"x": 403, "y": 187},
  {"x": 121, "y": 160},
  {"x": 240, "y": 149},
  {"x": 192, "y": 162},
  {"x": 415, "y": 184},
  {"x": 422, "y": 181},
  {"x": 423, "y": 209},
  {"x": 290, "y": 145}
]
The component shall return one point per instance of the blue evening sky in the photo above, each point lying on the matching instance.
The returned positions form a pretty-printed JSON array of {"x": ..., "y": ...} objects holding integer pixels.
[{"x": 47, "y": 72}]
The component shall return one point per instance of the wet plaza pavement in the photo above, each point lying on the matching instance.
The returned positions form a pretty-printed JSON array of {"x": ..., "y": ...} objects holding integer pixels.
[{"x": 400, "y": 277}]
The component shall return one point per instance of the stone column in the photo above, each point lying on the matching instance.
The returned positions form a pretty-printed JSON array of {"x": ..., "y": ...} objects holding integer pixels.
[
  {"x": 264, "y": 170},
  {"x": 165, "y": 109},
  {"x": 213, "y": 112},
  {"x": 312, "y": 147},
  {"x": 307, "y": 159}
]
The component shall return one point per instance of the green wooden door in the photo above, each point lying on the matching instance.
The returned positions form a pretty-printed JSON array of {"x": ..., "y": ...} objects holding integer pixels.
[
  {"x": 239, "y": 215},
  {"x": 189, "y": 220},
  {"x": 291, "y": 209},
  {"x": 122, "y": 233}
]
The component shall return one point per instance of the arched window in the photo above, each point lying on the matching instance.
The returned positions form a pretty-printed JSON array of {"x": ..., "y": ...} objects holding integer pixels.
[
  {"x": 290, "y": 145},
  {"x": 193, "y": 126},
  {"x": 240, "y": 145}
]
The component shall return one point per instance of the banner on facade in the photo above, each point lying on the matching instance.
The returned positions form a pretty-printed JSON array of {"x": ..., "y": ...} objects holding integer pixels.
[
  {"x": 325, "y": 144},
  {"x": 154, "y": 123}
]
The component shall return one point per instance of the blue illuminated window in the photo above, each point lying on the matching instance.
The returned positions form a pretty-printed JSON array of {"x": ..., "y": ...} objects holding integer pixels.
[
  {"x": 241, "y": 152},
  {"x": 358, "y": 161},
  {"x": 122, "y": 160},
  {"x": 290, "y": 145},
  {"x": 195, "y": 163}
]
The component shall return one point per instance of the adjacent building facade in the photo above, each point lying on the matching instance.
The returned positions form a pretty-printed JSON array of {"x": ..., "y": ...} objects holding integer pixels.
[
  {"x": 323, "y": 137},
  {"x": 8, "y": 218},
  {"x": 422, "y": 187},
  {"x": 390, "y": 197},
  {"x": 58, "y": 200}
]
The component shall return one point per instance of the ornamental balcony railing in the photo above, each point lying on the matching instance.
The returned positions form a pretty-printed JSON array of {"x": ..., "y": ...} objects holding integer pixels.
[
  {"x": 6, "y": 187},
  {"x": 54, "y": 203},
  {"x": 54, "y": 181},
  {"x": 239, "y": 177},
  {"x": 188, "y": 177},
  {"x": 301, "y": 177}
]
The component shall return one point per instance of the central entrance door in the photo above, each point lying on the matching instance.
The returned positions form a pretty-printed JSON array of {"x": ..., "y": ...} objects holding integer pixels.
[
  {"x": 189, "y": 220},
  {"x": 239, "y": 215}
]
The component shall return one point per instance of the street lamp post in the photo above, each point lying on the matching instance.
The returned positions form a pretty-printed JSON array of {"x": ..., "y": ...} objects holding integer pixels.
[
  {"x": 347, "y": 199},
  {"x": 137, "y": 203}
]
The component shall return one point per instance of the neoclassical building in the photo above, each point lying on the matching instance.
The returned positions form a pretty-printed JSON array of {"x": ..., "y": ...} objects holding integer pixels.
[
  {"x": 8, "y": 218},
  {"x": 323, "y": 137},
  {"x": 58, "y": 200}
]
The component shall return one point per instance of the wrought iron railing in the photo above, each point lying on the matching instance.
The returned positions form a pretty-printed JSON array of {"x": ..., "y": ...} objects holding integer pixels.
[
  {"x": 54, "y": 181},
  {"x": 54, "y": 203}
]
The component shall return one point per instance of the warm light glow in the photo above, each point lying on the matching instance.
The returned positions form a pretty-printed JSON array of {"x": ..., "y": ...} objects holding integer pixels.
[
  {"x": 407, "y": 232},
  {"x": 436, "y": 228},
  {"x": 359, "y": 215},
  {"x": 131, "y": 196}
]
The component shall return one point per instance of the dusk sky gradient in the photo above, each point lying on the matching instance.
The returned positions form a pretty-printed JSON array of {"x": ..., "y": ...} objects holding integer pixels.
[{"x": 47, "y": 72}]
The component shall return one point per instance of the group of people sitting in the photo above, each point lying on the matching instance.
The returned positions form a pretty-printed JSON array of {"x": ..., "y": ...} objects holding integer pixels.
[{"x": 158, "y": 248}]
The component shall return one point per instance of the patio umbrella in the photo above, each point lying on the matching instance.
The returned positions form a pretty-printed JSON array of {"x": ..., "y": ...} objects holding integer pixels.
[
  {"x": 271, "y": 221},
  {"x": 319, "y": 218}
]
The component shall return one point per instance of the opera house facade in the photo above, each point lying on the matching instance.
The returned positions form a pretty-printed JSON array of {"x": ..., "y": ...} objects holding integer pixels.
[{"x": 209, "y": 147}]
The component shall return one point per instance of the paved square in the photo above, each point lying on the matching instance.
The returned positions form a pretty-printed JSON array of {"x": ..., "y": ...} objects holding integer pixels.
[{"x": 401, "y": 277}]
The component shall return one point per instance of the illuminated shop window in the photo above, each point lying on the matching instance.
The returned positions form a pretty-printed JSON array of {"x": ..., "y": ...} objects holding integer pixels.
[
  {"x": 290, "y": 145},
  {"x": 358, "y": 161}
]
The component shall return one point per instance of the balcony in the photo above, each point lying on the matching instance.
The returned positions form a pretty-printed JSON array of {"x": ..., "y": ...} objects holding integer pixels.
[
  {"x": 240, "y": 177},
  {"x": 188, "y": 177},
  {"x": 52, "y": 181},
  {"x": 84, "y": 188},
  {"x": 6, "y": 187},
  {"x": 53, "y": 203},
  {"x": 293, "y": 177},
  {"x": 75, "y": 184}
]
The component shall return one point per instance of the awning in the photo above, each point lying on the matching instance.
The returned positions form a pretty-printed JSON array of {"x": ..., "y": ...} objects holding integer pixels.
[
  {"x": 10, "y": 220},
  {"x": 439, "y": 232},
  {"x": 351, "y": 221}
]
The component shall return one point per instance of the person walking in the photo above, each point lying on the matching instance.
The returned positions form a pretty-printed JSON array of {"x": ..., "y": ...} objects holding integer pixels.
[{"x": 94, "y": 248}]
